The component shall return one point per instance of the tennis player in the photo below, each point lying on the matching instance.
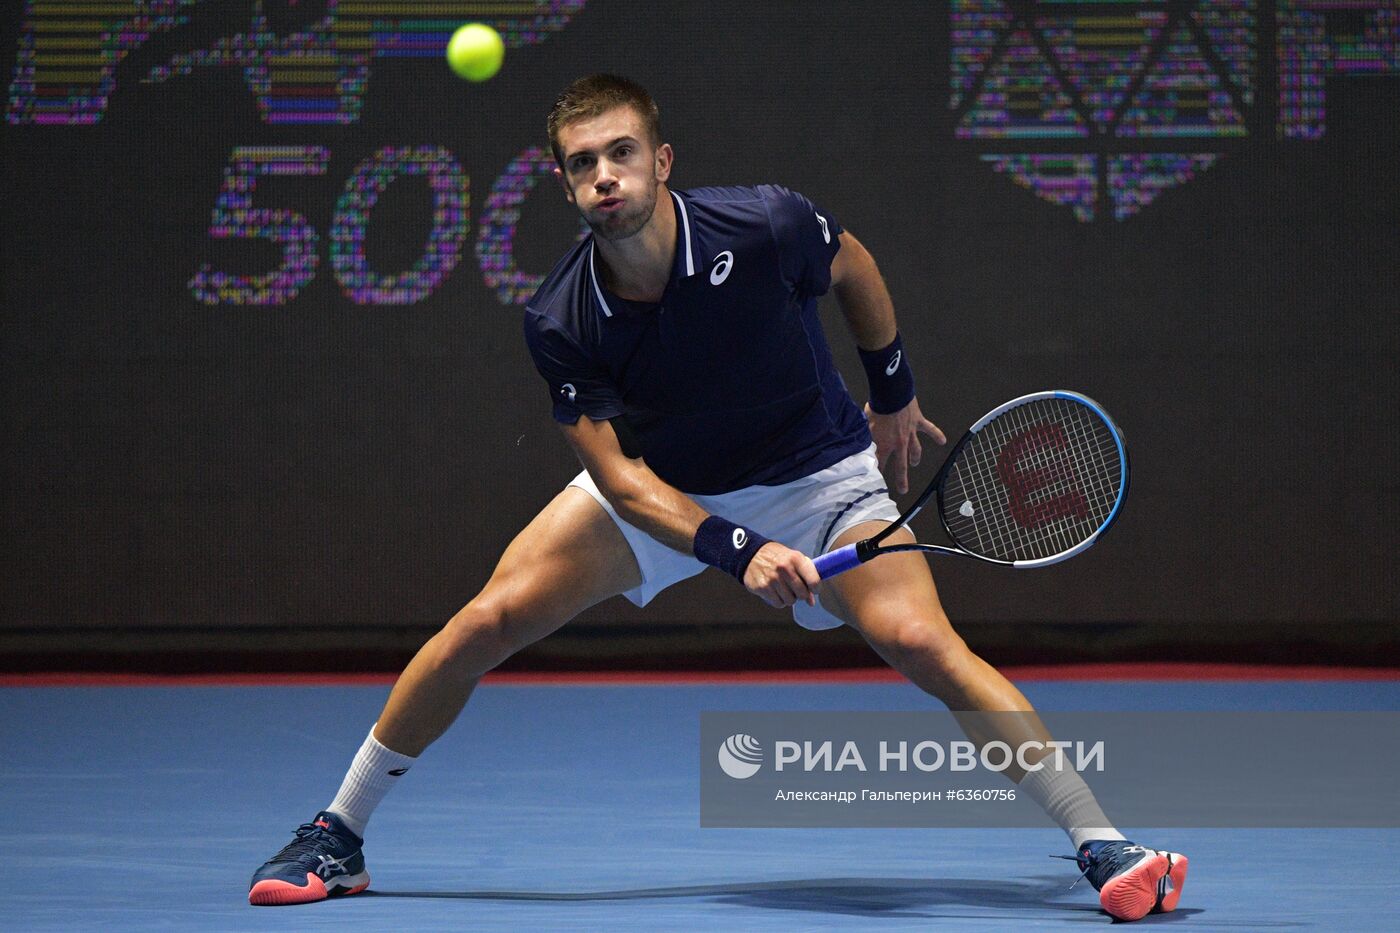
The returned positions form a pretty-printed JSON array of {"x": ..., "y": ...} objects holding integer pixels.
[{"x": 687, "y": 367}]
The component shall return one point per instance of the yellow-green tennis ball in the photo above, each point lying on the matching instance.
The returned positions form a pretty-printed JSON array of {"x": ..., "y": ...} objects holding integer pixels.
[{"x": 475, "y": 51}]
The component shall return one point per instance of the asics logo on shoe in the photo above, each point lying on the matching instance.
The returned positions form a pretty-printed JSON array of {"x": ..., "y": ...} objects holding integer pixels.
[
  {"x": 397, "y": 772},
  {"x": 323, "y": 824},
  {"x": 329, "y": 866}
]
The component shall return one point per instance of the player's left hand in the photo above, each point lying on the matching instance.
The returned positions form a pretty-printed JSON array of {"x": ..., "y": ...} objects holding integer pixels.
[{"x": 897, "y": 440}]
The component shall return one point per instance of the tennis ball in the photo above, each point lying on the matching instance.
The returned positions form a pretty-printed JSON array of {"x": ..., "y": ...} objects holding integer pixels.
[{"x": 475, "y": 51}]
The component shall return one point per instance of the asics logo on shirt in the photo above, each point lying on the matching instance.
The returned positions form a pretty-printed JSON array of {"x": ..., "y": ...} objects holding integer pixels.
[
  {"x": 894, "y": 362},
  {"x": 826, "y": 231},
  {"x": 568, "y": 391},
  {"x": 723, "y": 263},
  {"x": 741, "y": 538}
]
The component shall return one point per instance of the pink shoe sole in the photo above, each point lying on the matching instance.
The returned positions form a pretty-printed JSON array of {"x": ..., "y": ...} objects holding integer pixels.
[
  {"x": 272, "y": 893},
  {"x": 1153, "y": 884},
  {"x": 1169, "y": 888}
]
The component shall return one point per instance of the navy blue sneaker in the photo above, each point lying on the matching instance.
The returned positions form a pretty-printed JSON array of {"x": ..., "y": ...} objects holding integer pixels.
[
  {"x": 1132, "y": 881},
  {"x": 324, "y": 860}
]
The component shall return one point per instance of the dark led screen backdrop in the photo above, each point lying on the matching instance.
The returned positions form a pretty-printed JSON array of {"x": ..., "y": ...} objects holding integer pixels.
[{"x": 264, "y": 263}]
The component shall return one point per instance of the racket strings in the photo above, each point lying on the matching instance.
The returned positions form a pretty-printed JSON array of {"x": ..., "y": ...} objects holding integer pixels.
[
  {"x": 1082, "y": 483},
  {"x": 1038, "y": 480},
  {"x": 1078, "y": 479}
]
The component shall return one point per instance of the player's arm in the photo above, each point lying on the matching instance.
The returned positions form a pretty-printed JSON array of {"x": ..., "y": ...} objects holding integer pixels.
[
  {"x": 865, "y": 301},
  {"x": 777, "y": 574},
  {"x": 893, "y": 410}
]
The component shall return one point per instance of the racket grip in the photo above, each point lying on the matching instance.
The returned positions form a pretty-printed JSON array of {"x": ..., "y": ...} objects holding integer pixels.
[{"x": 837, "y": 561}]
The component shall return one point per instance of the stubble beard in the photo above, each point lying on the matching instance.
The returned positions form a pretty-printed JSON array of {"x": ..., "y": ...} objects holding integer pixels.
[{"x": 626, "y": 223}]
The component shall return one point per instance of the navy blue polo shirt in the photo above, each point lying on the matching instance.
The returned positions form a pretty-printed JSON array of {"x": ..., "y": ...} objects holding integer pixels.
[{"x": 726, "y": 382}]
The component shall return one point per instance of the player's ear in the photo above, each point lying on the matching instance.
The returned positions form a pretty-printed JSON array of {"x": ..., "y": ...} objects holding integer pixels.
[
  {"x": 564, "y": 183},
  {"x": 663, "y": 160}
]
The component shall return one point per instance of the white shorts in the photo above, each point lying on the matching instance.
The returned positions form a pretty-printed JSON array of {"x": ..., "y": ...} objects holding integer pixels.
[{"x": 807, "y": 515}]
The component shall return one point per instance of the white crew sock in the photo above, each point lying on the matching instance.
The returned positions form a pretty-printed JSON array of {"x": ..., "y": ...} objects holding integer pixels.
[
  {"x": 374, "y": 770},
  {"x": 1067, "y": 800}
]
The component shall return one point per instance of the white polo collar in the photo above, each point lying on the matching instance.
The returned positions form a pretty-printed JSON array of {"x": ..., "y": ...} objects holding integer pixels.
[
  {"x": 689, "y": 241},
  {"x": 687, "y": 254}
]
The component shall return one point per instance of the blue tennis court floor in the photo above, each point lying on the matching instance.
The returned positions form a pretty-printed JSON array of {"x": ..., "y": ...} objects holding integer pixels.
[{"x": 577, "y": 808}]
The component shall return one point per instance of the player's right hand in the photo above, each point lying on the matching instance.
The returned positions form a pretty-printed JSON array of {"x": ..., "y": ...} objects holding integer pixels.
[{"x": 781, "y": 576}]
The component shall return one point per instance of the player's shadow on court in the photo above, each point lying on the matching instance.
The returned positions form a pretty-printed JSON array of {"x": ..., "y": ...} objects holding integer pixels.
[{"x": 862, "y": 897}]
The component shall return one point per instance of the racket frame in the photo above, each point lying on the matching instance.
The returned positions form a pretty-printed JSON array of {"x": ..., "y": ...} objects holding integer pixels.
[{"x": 871, "y": 547}]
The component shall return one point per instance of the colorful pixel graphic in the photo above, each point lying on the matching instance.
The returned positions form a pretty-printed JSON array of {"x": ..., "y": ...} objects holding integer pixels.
[
  {"x": 1121, "y": 87},
  {"x": 449, "y": 185},
  {"x": 1318, "y": 38},
  {"x": 235, "y": 218},
  {"x": 495, "y": 244},
  {"x": 300, "y": 72}
]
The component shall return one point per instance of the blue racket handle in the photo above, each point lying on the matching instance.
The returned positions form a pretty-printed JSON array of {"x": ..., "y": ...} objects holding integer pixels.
[{"x": 837, "y": 561}]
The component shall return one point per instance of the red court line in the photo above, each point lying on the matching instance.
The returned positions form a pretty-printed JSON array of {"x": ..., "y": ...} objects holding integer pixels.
[{"x": 1108, "y": 672}]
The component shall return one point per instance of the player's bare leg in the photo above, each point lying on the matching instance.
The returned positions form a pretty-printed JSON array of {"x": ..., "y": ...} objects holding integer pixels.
[
  {"x": 571, "y": 556},
  {"x": 893, "y": 603}
]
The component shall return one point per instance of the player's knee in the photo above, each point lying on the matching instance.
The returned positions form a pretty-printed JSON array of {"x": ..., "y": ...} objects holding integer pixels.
[
  {"x": 928, "y": 645},
  {"x": 479, "y": 636}
]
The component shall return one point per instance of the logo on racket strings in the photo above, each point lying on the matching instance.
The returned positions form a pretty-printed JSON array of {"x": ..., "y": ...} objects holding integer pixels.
[
  {"x": 740, "y": 756},
  {"x": 741, "y": 538},
  {"x": 1040, "y": 485}
]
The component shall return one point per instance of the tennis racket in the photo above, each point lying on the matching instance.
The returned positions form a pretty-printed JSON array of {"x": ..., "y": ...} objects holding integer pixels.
[{"x": 1034, "y": 482}]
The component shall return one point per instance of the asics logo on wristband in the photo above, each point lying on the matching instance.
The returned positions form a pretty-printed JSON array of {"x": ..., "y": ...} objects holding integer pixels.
[
  {"x": 894, "y": 362},
  {"x": 826, "y": 231},
  {"x": 723, "y": 544},
  {"x": 568, "y": 389}
]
